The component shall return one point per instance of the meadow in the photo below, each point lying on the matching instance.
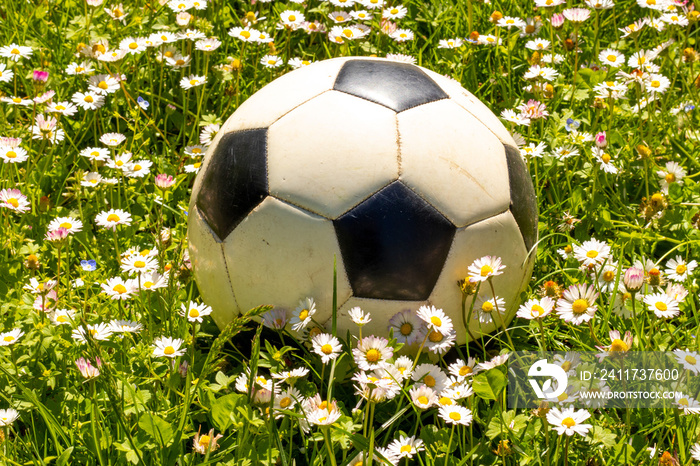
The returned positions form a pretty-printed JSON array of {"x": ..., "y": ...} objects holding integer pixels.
[{"x": 108, "y": 354}]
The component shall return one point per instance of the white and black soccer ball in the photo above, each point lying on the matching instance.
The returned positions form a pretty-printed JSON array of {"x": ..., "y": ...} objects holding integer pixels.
[{"x": 397, "y": 172}]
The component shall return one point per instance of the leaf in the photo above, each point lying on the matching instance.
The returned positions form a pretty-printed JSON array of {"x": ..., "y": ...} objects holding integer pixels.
[
  {"x": 488, "y": 385},
  {"x": 601, "y": 435},
  {"x": 222, "y": 408},
  {"x": 156, "y": 427},
  {"x": 62, "y": 460},
  {"x": 510, "y": 423}
]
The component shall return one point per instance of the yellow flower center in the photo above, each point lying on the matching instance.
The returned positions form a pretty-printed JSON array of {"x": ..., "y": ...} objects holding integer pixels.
[
  {"x": 444, "y": 401},
  {"x": 606, "y": 158},
  {"x": 373, "y": 355},
  {"x": 327, "y": 349},
  {"x": 568, "y": 422},
  {"x": 9, "y": 338},
  {"x": 536, "y": 310},
  {"x": 137, "y": 167},
  {"x": 690, "y": 360},
  {"x": 661, "y": 306},
  {"x": 285, "y": 402},
  {"x": 681, "y": 269},
  {"x": 304, "y": 314},
  {"x": 169, "y": 350},
  {"x": 197, "y": 165},
  {"x": 340, "y": 18},
  {"x": 464, "y": 370},
  {"x": 655, "y": 83},
  {"x": 455, "y": 416},
  {"x": 193, "y": 82},
  {"x": 487, "y": 306},
  {"x": 133, "y": 46},
  {"x": 429, "y": 380},
  {"x": 113, "y": 218},
  {"x": 612, "y": 57},
  {"x": 608, "y": 276},
  {"x": 245, "y": 34},
  {"x": 394, "y": 11},
  {"x": 435, "y": 336},
  {"x": 618, "y": 345},
  {"x": 61, "y": 319},
  {"x": 406, "y": 449},
  {"x": 486, "y": 270},
  {"x": 139, "y": 264},
  {"x": 89, "y": 99},
  {"x": 16, "y": 100},
  {"x": 292, "y": 18},
  {"x": 435, "y": 320},
  {"x": 406, "y": 329},
  {"x": 79, "y": 69},
  {"x": 657, "y": 197},
  {"x": 119, "y": 288},
  {"x": 147, "y": 284},
  {"x": 684, "y": 402},
  {"x": 194, "y": 313},
  {"x": 670, "y": 178},
  {"x": 423, "y": 400},
  {"x": 579, "y": 306},
  {"x": 65, "y": 225},
  {"x": 11, "y": 154},
  {"x": 592, "y": 254}
]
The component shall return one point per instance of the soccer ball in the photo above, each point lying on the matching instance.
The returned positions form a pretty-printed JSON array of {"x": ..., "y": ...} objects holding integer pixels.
[{"x": 396, "y": 173}]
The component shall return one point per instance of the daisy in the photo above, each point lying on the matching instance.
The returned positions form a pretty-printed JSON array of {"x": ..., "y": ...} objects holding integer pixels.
[
  {"x": 358, "y": 316},
  {"x": 112, "y": 218},
  {"x": 194, "y": 312},
  {"x": 618, "y": 344},
  {"x": 287, "y": 399},
  {"x": 8, "y": 416},
  {"x": 138, "y": 264},
  {"x": 125, "y": 326},
  {"x": 688, "y": 405},
  {"x": 372, "y": 353},
  {"x": 5, "y": 74},
  {"x": 62, "y": 317},
  {"x": 455, "y": 414},
  {"x": 538, "y": 44},
  {"x": 153, "y": 281},
  {"x": 435, "y": 319},
  {"x": 605, "y": 160},
  {"x": 46, "y": 128},
  {"x": 17, "y": 101},
  {"x": 532, "y": 150},
  {"x": 657, "y": 84},
  {"x": 568, "y": 421},
  {"x": 88, "y": 100},
  {"x": 488, "y": 39},
  {"x": 405, "y": 447},
  {"x": 193, "y": 168},
  {"x": 11, "y": 337},
  {"x": 577, "y": 15},
  {"x": 509, "y": 22},
  {"x": 678, "y": 269},
  {"x": 673, "y": 173},
  {"x": 207, "y": 45},
  {"x": 450, "y": 43},
  {"x": 79, "y": 68},
  {"x": 99, "y": 332},
  {"x": 35, "y": 286},
  {"x": 297, "y": 63},
  {"x": 695, "y": 452},
  {"x": 541, "y": 72},
  {"x": 70, "y": 224},
  {"x": 120, "y": 162},
  {"x": 486, "y": 267},
  {"x": 662, "y": 305},
  {"x": 371, "y": 4},
  {"x": 577, "y": 304},
  {"x": 103, "y": 84},
  {"x": 291, "y": 18},
  {"x": 91, "y": 179},
  {"x": 536, "y": 308},
  {"x": 674, "y": 19},
  {"x": 431, "y": 376},
  {"x": 607, "y": 277},
  {"x": 461, "y": 369},
  {"x": 13, "y": 154},
  {"x": 192, "y": 81},
  {"x": 64, "y": 108},
  {"x": 641, "y": 59},
  {"x": 515, "y": 118},
  {"x": 395, "y": 12},
  {"x": 486, "y": 306},
  {"x": 180, "y": 5},
  {"x": 271, "y": 61},
  {"x": 423, "y": 397},
  {"x": 138, "y": 169},
  {"x": 112, "y": 139},
  {"x": 116, "y": 12},
  {"x": 292, "y": 376},
  {"x": 13, "y": 199},
  {"x": 164, "y": 37},
  {"x": 118, "y": 288},
  {"x": 245, "y": 34},
  {"x": 95, "y": 153},
  {"x": 327, "y": 346},
  {"x": 208, "y": 133},
  {"x": 112, "y": 56},
  {"x": 168, "y": 347},
  {"x": 301, "y": 317},
  {"x": 592, "y": 252},
  {"x": 402, "y": 35},
  {"x": 404, "y": 365},
  {"x": 14, "y": 52},
  {"x": 689, "y": 359},
  {"x": 439, "y": 343}
]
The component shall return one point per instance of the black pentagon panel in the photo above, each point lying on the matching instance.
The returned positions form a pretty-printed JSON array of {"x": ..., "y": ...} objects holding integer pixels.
[
  {"x": 235, "y": 181},
  {"x": 398, "y": 86},
  {"x": 523, "y": 204},
  {"x": 394, "y": 245}
]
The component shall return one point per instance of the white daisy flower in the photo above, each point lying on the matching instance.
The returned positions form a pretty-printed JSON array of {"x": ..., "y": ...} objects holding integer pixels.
[
  {"x": 569, "y": 421},
  {"x": 168, "y": 347},
  {"x": 327, "y": 346}
]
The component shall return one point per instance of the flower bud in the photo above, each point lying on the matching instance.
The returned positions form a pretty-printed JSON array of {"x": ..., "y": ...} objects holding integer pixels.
[
  {"x": 496, "y": 16},
  {"x": 633, "y": 279},
  {"x": 601, "y": 140},
  {"x": 557, "y": 20}
]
